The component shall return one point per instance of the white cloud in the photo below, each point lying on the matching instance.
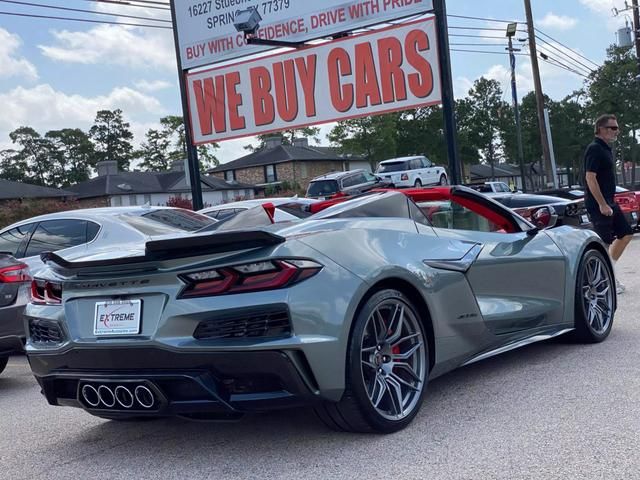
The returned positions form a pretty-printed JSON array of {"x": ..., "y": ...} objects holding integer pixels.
[
  {"x": 598, "y": 6},
  {"x": 557, "y": 22},
  {"x": 45, "y": 108},
  {"x": 115, "y": 45},
  {"x": 152, "y": 85},
  {"x": 10, "y": 64}
]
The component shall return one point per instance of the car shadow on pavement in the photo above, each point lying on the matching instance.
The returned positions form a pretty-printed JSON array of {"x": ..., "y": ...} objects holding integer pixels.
[{"x": 302, "y": 423}]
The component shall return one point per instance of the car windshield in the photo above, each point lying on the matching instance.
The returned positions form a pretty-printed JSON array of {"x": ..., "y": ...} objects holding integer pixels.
[
  {"x": 391, "y": 167},
  {"x": 165, "y": 221},
  {"x": 321, "y": 188}
]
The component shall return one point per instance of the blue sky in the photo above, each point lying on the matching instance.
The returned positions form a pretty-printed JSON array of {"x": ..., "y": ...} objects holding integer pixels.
[{"x": 57, "y": 74}]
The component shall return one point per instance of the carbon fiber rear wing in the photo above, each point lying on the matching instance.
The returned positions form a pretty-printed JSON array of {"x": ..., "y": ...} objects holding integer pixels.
[{"x": 181, "y": 247}]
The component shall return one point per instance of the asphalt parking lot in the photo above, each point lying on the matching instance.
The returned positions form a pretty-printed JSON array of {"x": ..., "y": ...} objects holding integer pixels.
[{"x": 548, "y": 411}]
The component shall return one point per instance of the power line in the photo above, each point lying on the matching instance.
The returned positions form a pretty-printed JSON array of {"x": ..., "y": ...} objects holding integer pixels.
[
  {"x": 491, "y": 45},
  {"x": 40, "y": 5},
  {"x": 484, "y": 51},
  {"x": 456, "y": 27},
  {"x": 558, "y": 63},
  {"x": 475, "y": 36},
  {"x": 85, "y": 20},
  {"x": 570, "y": 49},
  {"x": 551, "y": 45},
  {"x": 486, "y": 19},
  {"x": 128, "y": 4}
]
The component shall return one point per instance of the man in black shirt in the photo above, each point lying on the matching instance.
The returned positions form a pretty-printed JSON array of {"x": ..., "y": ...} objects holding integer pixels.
[{"x": 607, "y": 218}]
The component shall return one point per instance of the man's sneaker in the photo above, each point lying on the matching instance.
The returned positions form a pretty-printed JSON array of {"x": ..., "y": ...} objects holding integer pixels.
[{"x": 620, "y": 288}]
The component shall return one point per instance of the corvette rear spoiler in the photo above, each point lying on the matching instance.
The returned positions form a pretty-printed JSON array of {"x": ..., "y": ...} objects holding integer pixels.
[{"x": 181, "y": 247}]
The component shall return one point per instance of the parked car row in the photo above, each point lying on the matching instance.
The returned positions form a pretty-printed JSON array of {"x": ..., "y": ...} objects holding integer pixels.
[
  {"x": 628, "y": 201},
  {"x": 402, "y": 172}
]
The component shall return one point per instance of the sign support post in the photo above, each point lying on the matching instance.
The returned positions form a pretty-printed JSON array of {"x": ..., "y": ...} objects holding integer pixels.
[
  {"x": 192, "y": 152},
  {"x": 448, "y": 102}
]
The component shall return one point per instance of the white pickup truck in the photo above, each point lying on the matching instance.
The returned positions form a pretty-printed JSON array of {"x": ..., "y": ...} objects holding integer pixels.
[{"x": 492, "y": 188}]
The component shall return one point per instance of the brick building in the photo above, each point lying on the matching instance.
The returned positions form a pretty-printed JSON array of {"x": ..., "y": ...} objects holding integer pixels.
[{"x": 294, "y": 164}]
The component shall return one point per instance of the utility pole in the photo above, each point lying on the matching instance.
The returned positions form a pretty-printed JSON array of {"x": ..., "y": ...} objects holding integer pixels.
[
  {"x": 192, "y": 152},
  {"x": 544, "y": 139},
  {"x": 636, "y": 30},
  {"x": 511, "y": 31},
  {"x": 448, "y": 102}
]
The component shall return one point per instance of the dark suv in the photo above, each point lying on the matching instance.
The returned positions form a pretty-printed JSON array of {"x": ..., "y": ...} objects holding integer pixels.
[{"x": 351, "y": 182}]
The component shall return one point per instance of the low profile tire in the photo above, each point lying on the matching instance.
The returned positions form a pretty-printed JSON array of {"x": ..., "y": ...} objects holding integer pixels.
[
  {"x": 3, "y": 363},
  {"x": 443, "y": 180},
  {"x": 418, "y": 183},
  {"x": 387, "y": 368},
  {"x": 595, "y": 299}
]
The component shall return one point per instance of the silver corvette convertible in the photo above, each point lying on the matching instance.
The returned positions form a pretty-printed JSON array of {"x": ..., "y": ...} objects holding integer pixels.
[{"x": 352, "y": 310}]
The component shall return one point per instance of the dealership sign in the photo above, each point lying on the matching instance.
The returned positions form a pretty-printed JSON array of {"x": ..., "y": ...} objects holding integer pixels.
[
  {"x": 206, "y": 33},
  {"x": 391, "y": 69}
]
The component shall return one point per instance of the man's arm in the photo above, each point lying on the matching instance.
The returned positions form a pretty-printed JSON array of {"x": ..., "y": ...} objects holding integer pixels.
[{"x": 594, "y": 188}]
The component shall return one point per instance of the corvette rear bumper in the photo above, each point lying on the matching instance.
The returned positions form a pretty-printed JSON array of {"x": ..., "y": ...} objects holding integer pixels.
[{"x": 106, "y": 382}]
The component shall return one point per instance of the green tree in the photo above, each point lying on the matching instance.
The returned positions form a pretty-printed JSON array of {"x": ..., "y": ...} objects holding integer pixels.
[
  {"x": 112, "y": 138},
  {"x": 72, "y": 156},
  {"x": 34, "y": 153},
  {"x": 173, "y": 130},
  {"x": 420, "y": 131},
  {"x": 484, "y": 109},
  {"x": 154, "y": 152},
  {"x": 374, "y": 137},
  {"x": 13, "y": 166},
  {"x": 287, "y": 137}
]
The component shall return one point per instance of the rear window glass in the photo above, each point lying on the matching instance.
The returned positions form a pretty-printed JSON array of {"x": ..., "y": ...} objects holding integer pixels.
[
  {"x": 391, "y": 167},
  {"x": 161, "y": 222},
  {"x": 322, "y": 188},
  {"x": 11, "y": 240}
]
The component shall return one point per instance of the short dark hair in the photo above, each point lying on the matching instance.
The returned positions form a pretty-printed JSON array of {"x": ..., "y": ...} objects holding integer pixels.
[{"x": 602, "y": 120}]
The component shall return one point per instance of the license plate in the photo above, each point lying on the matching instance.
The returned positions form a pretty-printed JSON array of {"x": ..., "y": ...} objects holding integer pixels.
[
  {"x": 584, "y": 218},
  {"x": 117, "y": 317}
]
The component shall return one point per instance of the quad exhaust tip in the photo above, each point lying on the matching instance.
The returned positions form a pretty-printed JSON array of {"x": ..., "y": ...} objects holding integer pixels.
[{"x": 117, "y": 397}]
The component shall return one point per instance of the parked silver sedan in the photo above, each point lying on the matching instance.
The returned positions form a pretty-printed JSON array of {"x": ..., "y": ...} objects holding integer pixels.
[{"x": 96, "y": 232}]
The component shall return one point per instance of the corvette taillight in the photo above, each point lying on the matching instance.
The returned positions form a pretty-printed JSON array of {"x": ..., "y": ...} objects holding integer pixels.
[
  {"x": 15, "y": 274},
  {"x": 248, "y": 277},
  {"x": 46, "y": 293}
]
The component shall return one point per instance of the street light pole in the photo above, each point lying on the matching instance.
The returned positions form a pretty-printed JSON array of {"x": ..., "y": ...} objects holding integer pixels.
[
  {"x": 636, "y": 30},
  {"x": 511, "y": 31}
]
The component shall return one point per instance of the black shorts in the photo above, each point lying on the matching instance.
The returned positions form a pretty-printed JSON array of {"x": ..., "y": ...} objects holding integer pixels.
[{"x": 610, "y": 228}]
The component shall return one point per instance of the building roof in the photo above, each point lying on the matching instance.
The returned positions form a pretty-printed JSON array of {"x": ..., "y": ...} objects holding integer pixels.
[
  {"x": 501, "y": 170},
  {"x": 10, "y": 190},
  {"x": 282, "y": 154},
  {"x": 124, "y": 183}
]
